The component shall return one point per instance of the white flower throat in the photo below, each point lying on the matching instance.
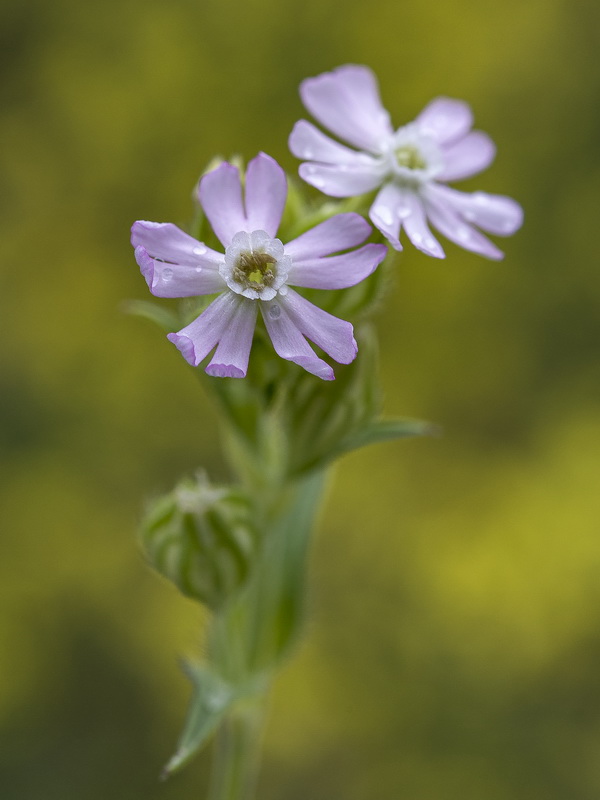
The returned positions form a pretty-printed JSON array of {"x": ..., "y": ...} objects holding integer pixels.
[
  {"x": 412, "y": 157},
  {"x": 256, "y": 266}
]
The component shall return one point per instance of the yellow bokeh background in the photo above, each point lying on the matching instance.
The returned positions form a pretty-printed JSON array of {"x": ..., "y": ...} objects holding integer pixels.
[{"x": 453, "y": 645}]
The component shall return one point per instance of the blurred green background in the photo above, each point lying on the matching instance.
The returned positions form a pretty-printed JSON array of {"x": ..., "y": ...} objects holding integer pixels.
[{"x": 454, "y": 644}]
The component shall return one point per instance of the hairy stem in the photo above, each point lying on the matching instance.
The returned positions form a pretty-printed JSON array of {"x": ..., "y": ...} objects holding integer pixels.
[{"x": 236, "y": 753}]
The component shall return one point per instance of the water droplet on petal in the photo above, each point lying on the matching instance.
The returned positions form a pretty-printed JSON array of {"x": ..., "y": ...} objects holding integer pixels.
[
  {"x": 274, "y": 311},
  {"x": 470, "y": 216},
  {"x": 308, "y": 153},
  {"x": 430, "y": 243},
  {"x": 198, "y": 269},
  {"x": 385, "y": 215},
  {"x": 318, "y": 182},
  {"x": 167, "y": 275},
  {"x": 199, "y": 250}
]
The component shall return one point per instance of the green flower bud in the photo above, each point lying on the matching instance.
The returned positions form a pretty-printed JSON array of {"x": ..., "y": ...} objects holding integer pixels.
[{"x": 202, "y": 538}]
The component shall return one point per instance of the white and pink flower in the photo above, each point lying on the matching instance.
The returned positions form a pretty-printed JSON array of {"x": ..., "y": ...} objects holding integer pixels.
[
  {"x": 256, "y": 272},
  {"x": 409, "y": 166}
]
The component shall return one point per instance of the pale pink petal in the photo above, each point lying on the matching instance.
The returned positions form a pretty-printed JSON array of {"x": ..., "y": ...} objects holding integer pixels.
[
  {"x": 197, "y": 339},
  {"x": 334, "y": 336},
  {"x": 445, "y": 120},
  {"x": 177, "y": 280},
  {"x": 266, "y": 190},
  {"x": 347, "y": 102},
  {"x": 288, "y": 341},
  {"x": 169, "y": 243},
  {"x": 492, "y": 212},
  {"x": 337, "y": 272},
  {"x": 468, "y": 156},
  {"x": 221, "y": 198},
  {"x": 343, "y": 180},
  {"x": 331, "y": 236},
  {"x": 233, "y": 351},
  {"x": 452, "y": 226},
  {"x": 414, "y": 222},
  {"x": 384, "y": 213},
  {"x": 310, "y": 143}
]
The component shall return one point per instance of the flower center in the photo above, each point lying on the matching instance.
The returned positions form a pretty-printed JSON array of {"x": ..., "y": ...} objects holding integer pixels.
[
  {"x": 256, "y": 266},
  {"x": 255, "y": 270},
  {"x": 413, "y": 157},
  {"x": 410, "y": 157}
]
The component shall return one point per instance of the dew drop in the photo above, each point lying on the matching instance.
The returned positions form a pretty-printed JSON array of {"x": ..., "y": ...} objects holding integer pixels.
[
  {"x": 167, "y": 275},
  {"x": 199, "y": 250},
  {"x": 274, "y": 311},
  {"x": 385, "y": 215},
  {"x": 318, "y": 182},
  {"x": 470, "y": 216},
  {"x": 308, "y": 153},
  {"x": 198, "y": 269},
  {"x": 430, "y": 243}
]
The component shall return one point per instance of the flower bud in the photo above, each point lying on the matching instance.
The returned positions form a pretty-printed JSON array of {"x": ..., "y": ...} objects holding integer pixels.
[{"x": 201, "y": 538}]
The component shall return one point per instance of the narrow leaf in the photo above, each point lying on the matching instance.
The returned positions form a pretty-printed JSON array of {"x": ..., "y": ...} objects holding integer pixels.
[
  {"x": 165, "y": 319},
  {"x": 210, "y": 701},
  {"x": 374, "y": 432}
]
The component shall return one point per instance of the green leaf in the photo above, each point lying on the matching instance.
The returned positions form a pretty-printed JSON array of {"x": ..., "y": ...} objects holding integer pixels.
[
  {"x": 210, "y": 701},
  {"x": 163, "y": 317},
  {"x": 374, "y": 432}
]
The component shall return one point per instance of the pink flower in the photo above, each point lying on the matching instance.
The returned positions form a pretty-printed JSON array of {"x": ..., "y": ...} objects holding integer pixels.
[
  {"x": 409, "y": 165},
  {"x": 255, "y": 272}
]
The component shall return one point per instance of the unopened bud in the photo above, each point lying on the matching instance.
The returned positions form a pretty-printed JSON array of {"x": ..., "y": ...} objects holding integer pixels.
[{"x": 201, "y": 538}]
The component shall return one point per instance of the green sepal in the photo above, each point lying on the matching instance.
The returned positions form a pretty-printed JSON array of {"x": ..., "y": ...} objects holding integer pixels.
[{"x": 211, "y": 699}]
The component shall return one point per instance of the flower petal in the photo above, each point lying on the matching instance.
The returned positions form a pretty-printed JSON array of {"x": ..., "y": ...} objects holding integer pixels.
[
  {"x": 266, "y": 190},
  {"x": 384, "y": 213},
  {"x": 197, "y": 339},
  {"x": 337, "y": 272},
  {"x": 233, "y": 351},
  {"x": 414, "y": 222},
  {"x": 347, "y": 102},
  {"x": 493, "y": 212},
  {"x": 443, "y": 216},
  {"x": 310, "y": 143},
  {"x": 334, "y": 234},
  {"x": 177, "y": 280},
  {"x": 445, "y": 119},
  {"x": 468, "y": 156},
  {"x": 221, "y": 198},
  {"x": 334, "y": 336},
  {"x": 343, "y": 180},
  {"x": 169, "y": 243},
  {"x": 289, "y": 343}
]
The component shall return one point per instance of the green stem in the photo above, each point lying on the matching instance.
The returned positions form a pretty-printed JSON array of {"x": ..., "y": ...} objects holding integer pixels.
[{"x": 236, "y": 753}]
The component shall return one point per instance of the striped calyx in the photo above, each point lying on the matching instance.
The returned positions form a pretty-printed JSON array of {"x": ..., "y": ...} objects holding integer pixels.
[{"x": 201, "y": 538}]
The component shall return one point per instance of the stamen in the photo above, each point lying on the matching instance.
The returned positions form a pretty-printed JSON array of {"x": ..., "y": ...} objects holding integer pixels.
[
  {"x": 410, "y": 157},
  {"x": 254, "y": 270}
]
